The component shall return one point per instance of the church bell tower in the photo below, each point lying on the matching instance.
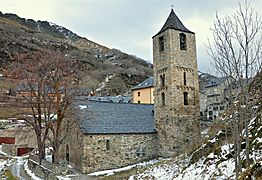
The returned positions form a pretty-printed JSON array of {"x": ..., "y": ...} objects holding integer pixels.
[{"x": 176, "y": 88}]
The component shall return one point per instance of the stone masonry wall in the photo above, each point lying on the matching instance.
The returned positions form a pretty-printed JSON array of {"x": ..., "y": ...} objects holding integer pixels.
[
  {"x": 177, "y": 124},
  {"x": 103, "y": 152},
  {"x": 10, "y": 149},
  {"x": 74, "y": 141}
]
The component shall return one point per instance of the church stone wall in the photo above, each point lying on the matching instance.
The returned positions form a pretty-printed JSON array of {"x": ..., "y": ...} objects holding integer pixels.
[
  {"x": 103, "y": 152},
  {"x": 177, "y": 124},
  {"x": 74, "y": 141}
]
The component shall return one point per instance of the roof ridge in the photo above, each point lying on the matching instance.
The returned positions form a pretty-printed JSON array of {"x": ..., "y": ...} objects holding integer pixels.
[{"x": 173, "y": 22}]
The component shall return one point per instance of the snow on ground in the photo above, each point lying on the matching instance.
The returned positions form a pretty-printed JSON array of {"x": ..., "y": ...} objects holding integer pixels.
[
  {"x": 63, "y": 178},
  {"x": 259, "y": 140},
  {"x": 112, "y": 171},
  {"x": 210, "y": 167},
  {"x": 103, "y": 84},
  {"x": 83, "y": 106},
  {"x": 1, "y": 152},
  {"x": 206, "y": 169},
  {"x": 2, "y": 164},
  {"x": 165, "y": 171},
  {"x": 17, "y": 166},
  {"x": 30, "y": 173}
]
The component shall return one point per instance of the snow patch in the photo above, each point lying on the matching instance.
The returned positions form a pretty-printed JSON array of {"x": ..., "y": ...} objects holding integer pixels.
[
  {"x": 83, "y": 106},
  {"x": 112, "y": 171}
]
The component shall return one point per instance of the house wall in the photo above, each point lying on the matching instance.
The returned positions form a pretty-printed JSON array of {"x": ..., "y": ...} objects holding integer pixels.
[
  {"x": 103, "y": 152},
  {"x": 22, "y": 135},
  {"x": 146, "y": 96},
  {"x": 12, "y": 149},
  {"x": 216, "y": 102}
]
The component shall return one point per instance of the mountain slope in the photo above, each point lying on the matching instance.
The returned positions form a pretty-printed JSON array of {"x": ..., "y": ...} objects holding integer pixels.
[{"x": 95, "y": 61}]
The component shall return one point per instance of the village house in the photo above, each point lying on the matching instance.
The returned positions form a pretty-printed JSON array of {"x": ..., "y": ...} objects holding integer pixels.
[
  {"x": 17, "y": 141},
  {"x": 143, "y": 93},
  {"x": 111, "y": 135},
  {"x": 213, "y": 100}
]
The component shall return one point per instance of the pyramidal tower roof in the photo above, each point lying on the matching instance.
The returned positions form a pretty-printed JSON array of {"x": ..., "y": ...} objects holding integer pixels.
[{"x": 173, "y": 22}]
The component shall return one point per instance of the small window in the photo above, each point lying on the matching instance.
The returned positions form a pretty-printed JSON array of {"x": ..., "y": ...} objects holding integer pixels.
[
  {"x": 140, "y": 152},
  {"x": 163, "y": 99},
  {"x": 185, "y": 98},
  {"x": 107, "y": 145},
  {"x": 182, "y": 38},
  {"x": 210, "y": 113},
  {"x": 138, "y": 94},
  {"x": 161, "y": 43},
  {"x": 184, "y": 78},
  {"x": 162, "y": 80}
]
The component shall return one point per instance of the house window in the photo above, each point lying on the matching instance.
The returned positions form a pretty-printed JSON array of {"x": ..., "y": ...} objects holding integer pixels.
[
  {"x": 162, "y": 80},
  {"x": 210, "y": 113},
  {"x": 140, "y": 152},
  {"x": 182, "y": 38},
  {"x": 161, "y": 43},
  {"x": 107, "y": 145},
  {"x": 163, "y": 99},
  {"x": 138, "y": 94},
  {"x": 185, "y": 98},
  {"x": 184, "y": 78}
]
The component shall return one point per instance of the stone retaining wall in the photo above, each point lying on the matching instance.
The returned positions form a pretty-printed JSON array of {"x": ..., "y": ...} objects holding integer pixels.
[{"x": 46, "y": 170}]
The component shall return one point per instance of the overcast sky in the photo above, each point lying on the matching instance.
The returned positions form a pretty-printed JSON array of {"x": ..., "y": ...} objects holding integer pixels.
[{"x": 127, "y": 25}]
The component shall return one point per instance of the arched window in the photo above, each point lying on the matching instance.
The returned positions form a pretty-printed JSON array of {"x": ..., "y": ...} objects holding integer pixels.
[
  {"x": 161, "y": 43},
  {"x": 185, "y": 98},
  {"x": 162, "y": 80},
  {"x": 163, "y": 99},
  {"x": 182, "y": 38},
  {"x": 184, "y": 78}
]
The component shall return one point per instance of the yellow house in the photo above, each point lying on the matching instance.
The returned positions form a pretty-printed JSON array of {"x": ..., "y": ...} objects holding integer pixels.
[{"x": 143, "y": 93}]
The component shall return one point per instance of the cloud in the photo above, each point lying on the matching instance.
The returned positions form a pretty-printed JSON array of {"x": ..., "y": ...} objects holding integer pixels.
[{"x": 124, "y": 24}]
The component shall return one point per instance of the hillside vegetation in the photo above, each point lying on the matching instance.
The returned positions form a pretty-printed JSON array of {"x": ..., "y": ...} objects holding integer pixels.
[{"x": 96, "y": 62}]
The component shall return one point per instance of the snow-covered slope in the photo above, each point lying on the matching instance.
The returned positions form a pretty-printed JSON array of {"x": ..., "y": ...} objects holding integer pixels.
[{"x": 213, "y": 160}]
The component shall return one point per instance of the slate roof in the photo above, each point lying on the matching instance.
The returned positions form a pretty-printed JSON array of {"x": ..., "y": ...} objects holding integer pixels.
[
  {"x": 215, "y": 81},
  {"x": 114, "y": 118},
  {"x": 173, "y": 22},
  {"x": 147, "y": 83}
]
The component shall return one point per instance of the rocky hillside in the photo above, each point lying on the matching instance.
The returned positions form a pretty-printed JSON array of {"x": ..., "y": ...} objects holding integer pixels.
[{"x": 95, "y": 61}]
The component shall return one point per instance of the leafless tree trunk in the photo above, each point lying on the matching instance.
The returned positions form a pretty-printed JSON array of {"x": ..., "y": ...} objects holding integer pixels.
[
  {"x": 237, "y": 52},
  {"x": 48, "y": 85}
]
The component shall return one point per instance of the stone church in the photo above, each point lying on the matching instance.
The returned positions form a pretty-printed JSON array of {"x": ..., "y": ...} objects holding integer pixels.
[{"x": 113, "y": 135}]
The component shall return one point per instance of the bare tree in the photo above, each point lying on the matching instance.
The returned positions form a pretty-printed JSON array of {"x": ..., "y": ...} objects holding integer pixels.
[
  {"x": 236, "y": 52},
  {"x": 47, "y": 86}
]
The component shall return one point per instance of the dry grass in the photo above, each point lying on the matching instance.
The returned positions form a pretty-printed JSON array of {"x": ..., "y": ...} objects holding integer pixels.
[
  {"x": 9, "y": 175},
  {"x": 9, "y": 22}
]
